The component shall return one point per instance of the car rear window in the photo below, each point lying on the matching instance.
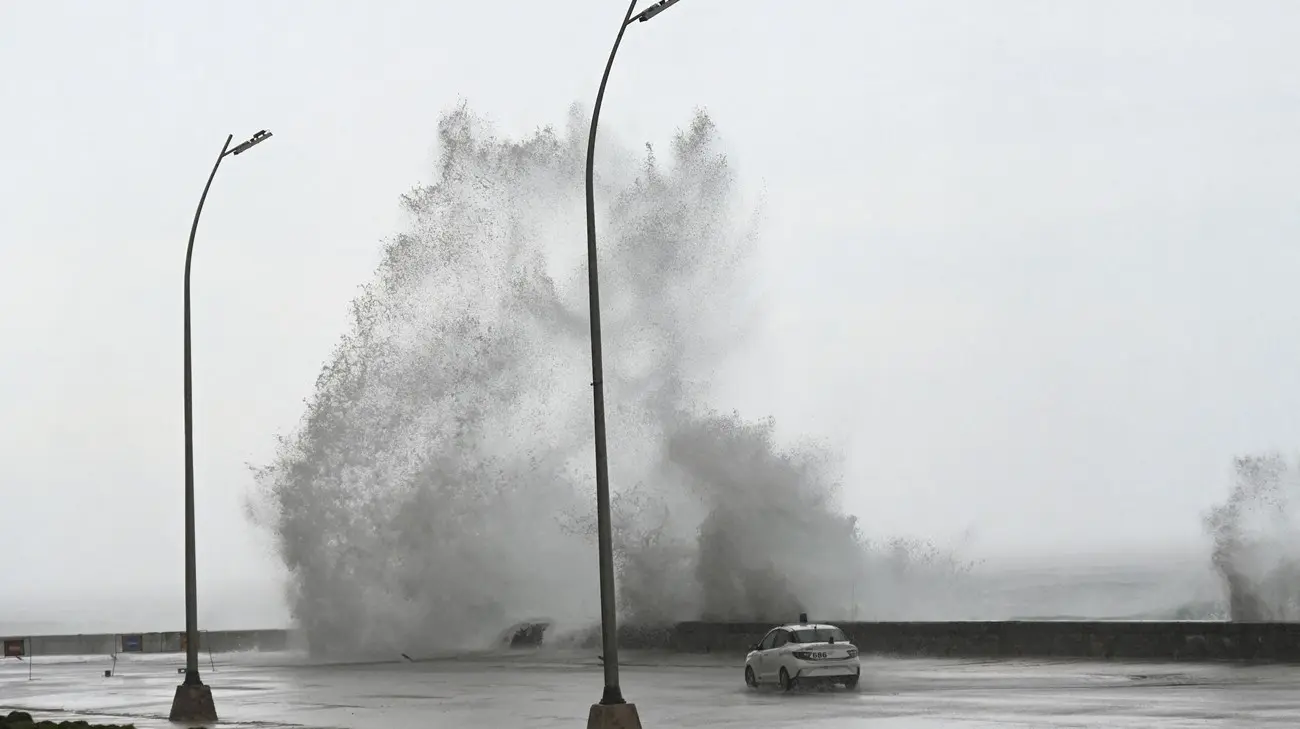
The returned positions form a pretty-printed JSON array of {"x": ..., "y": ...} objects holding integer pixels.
[{"x": 818, "y": 635}]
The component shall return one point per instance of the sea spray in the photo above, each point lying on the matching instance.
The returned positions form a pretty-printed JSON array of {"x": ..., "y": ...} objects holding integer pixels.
[
  {"x": 440, "y": 483},
  {"x": 1256, "y": 540}
]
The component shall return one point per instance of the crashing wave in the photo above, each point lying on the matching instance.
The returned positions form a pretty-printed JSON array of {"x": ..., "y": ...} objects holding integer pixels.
[{"x": 439, "y": 486}]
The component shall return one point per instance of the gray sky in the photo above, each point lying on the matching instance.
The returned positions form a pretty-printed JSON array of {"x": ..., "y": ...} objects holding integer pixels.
[{"x": 1029, "y": 265}]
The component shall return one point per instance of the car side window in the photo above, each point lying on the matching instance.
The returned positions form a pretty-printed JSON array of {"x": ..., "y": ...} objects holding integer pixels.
[
  {"x": 782, "y": 638},
  {"x": 768, "y": 641}
]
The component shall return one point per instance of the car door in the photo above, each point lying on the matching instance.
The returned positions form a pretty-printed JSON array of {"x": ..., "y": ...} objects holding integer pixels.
[
  {"x": 764, "y": 651},
  {"x": 773, "y": 661}
]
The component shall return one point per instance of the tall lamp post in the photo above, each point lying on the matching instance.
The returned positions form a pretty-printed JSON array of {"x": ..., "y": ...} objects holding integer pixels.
[
  {"x": 193, "y": 700},
  {"x": 612, "y": 709}
]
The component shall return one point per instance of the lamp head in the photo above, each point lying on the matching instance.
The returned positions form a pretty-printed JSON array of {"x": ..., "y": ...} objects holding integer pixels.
[
  {"x": 253, "y": 141},
  {"x": 653, "y": 10}
]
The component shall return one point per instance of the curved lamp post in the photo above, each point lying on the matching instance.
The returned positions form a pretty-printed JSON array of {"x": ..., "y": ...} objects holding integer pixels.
[
  {"x": 612, "y": 699},
  {"x": 193, "y": 701}
]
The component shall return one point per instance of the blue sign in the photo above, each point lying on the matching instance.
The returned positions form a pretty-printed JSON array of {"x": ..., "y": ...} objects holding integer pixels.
[{"x": 133, "y": 643}]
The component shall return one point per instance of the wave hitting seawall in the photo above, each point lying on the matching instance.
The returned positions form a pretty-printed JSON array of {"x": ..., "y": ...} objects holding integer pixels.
[{"x": 440, "y": 483}]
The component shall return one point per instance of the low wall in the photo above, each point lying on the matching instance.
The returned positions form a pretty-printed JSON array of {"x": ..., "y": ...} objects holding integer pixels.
[
  {"x": 71, "y": 645},
  {"x": 1191, "y": 640},
  {"x": 214, "y": 641},
  {"x": 1150, "y": 640}
]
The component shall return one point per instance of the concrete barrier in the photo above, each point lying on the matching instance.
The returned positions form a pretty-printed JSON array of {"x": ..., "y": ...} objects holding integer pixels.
[
  {"x": 215, "y": 641},
  {"x": 231, "y": 641},
  {"x": 1148, "y": 640},
  {"x": 1191, "y": 640},
  {"x": 72, "y": 645}
]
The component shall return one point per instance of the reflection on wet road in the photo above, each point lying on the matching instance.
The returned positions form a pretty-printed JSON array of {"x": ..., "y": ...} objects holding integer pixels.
[{"x": 547, "y": 690}]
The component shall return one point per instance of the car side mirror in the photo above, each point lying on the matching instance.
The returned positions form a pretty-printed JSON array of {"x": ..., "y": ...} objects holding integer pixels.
[{"x": 754, "y": 647}]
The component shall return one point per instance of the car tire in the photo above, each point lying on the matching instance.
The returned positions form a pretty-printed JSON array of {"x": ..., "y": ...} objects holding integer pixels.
[
  {"x": 750, "y": 679},
  {"x": 851, "y": 682},
  {"x": 787, "y": 683}
]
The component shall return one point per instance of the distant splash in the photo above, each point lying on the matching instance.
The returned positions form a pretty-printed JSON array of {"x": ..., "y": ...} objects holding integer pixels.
[{"x": 1256, "y": 540}]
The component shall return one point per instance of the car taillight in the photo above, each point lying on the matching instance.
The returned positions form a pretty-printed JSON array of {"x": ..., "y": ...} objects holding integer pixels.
[
  {"x": 853, "y": 653},
  {"x": 803, "y": 655}
]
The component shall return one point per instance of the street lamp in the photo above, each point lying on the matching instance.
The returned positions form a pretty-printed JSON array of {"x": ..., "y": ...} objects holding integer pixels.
[
  {"x": 612, "y": 709},
  {"x": 193, "y": 700}
]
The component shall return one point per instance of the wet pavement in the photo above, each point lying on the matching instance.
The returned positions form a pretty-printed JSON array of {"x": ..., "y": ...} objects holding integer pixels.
[{"x": 547, "y": 690}]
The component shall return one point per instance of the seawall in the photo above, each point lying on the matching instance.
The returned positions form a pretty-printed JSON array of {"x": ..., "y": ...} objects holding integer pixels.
[
  {"x": 214, "y": 641},
  {"x": 1153, "y": 640},
  {"x": 1098, "y": 640}
]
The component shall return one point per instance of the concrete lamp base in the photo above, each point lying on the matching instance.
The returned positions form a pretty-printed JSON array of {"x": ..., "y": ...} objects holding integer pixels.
[
  {"x": 193, "y": 704},
  {"x": 613, "y": 716}
]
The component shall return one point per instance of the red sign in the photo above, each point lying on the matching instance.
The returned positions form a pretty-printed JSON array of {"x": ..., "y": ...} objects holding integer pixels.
[{"x": 14, "y": 647}]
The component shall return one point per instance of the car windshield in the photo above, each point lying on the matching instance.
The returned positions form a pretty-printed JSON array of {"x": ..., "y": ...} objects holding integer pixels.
[{"x": 818, "y": 635}]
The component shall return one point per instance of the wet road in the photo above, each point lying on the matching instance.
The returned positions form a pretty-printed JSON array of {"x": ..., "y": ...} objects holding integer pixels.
[{"x": 554, "y": 690}]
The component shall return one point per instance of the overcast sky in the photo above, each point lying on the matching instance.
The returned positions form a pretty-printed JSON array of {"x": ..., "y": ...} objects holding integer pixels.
[{"x": 1030, "y": 265}]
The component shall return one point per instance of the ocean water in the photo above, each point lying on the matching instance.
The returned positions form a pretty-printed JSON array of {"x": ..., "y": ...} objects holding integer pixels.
[{"x": 1156, "y": 586}]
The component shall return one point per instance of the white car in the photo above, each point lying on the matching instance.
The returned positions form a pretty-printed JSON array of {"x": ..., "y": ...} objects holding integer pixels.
[{"x": 803, "y": 653}]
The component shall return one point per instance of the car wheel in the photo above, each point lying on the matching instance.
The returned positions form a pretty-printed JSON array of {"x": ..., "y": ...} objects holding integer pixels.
[
  {"x": 750, "y": 679},
  {"x": 851, "y": 682},
  {"x": 787, "y": 683}
]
